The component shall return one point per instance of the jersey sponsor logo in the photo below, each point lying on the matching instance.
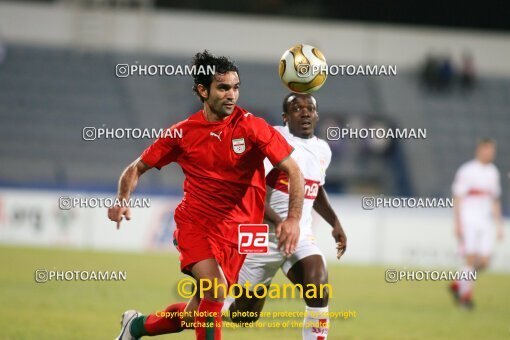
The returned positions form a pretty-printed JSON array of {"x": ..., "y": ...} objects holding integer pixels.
[
  {"x": 278, "y": 180},
  {"x": 217, "y": 135},
  {"x": 253, "y": 239},
  {"x": 478, "y": 192},
  {"x": 238, "y": 145},
  {"x": 311, "y": 189}
]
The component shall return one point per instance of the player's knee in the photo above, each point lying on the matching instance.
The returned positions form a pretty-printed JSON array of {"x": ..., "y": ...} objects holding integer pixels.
[
  {"x": 319, "y": 284},
  {"x": 320, "y": 299},
  {"x": 317, "y": 277}
]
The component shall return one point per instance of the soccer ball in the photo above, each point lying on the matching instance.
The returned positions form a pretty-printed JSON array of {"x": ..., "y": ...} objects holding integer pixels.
[{"x": 303, "y": 69}]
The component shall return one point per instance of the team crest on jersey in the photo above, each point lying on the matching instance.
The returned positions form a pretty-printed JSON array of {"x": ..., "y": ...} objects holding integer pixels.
[{"x": 238, "y": 145}]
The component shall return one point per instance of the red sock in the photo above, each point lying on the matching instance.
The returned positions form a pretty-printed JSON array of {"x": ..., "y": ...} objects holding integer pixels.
[
  {"x": 466, "y": 297},
  {"x": 156, "y": 325},
  {"x": 209, "y": 314}
]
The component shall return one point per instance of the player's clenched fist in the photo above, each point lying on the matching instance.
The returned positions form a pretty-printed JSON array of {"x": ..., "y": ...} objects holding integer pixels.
[{"x": 116, "y": 214}]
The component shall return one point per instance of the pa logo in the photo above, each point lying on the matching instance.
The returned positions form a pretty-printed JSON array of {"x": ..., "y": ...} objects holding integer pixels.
[{"x": 253, "y": 238}]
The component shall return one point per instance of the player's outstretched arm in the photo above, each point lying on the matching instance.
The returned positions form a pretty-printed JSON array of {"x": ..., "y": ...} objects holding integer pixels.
[
  {"x": 288, "y": 231},
  {"x": 324, "y": 209},
  {"x": 127, "y": 184}
]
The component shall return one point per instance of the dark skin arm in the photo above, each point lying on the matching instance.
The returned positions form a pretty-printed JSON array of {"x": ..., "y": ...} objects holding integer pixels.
[
  {"x": 269, "y": 214},
  {"x": 322, "y": 206},
  {"x": 127, "y": 184}
]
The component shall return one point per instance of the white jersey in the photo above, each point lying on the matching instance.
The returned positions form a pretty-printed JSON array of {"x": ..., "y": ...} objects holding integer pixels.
[
  {"x": 313, "y": 156},
  {"x": 477, "y": 184}
]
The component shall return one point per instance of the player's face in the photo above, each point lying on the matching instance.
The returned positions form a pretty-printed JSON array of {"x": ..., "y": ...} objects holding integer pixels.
[
  {"x": 223, "y": 93},
  {"x": 301, "y": 115},
  {"x": 486, "y": 152}
]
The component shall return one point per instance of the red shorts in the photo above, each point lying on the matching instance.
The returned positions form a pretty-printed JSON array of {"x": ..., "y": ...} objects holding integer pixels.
[{"x": 197, "y": 239}]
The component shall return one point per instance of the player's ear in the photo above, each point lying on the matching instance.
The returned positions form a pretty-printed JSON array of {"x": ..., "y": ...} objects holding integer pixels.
[
  {"x": 284, "y": 117},
  {"x": 202, "y": 91}
]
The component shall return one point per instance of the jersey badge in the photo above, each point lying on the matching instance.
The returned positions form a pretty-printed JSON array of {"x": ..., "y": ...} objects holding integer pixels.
[{"x": 238, "y": 145}]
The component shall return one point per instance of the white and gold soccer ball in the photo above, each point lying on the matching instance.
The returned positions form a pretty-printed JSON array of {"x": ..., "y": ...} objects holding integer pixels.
[{"x": 303, "y": 69}]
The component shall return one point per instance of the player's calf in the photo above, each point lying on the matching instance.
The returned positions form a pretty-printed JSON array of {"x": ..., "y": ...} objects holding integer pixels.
[
  {"x": 311, "y": 270},
  {"x": 213, "y": 291}
]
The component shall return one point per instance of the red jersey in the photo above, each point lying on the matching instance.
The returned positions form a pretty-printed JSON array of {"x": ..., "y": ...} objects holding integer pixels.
[{"x": 223, "y": 165}]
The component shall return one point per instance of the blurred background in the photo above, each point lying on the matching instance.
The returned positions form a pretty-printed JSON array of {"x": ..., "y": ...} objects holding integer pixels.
[{"x": 57, "y": 76}]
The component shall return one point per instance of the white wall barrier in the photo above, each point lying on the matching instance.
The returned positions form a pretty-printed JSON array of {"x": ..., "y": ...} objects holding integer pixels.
[
  {"x": 413, "y": 237},
  {"x": 30, "y": 217}
]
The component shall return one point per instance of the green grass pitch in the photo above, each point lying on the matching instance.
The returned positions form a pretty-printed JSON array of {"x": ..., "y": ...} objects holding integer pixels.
[{"x": 91, "y": 310}]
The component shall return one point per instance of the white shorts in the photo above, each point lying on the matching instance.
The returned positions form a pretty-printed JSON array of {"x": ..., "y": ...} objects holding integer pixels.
[
  {"x": 261, "y": 268},
  {"x": 478, "y": 237}
]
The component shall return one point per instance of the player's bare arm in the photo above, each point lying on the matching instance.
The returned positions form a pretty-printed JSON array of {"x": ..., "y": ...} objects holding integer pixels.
[
  {"x": 456, "y": 211},
  {"x": 127, "y": 184},
  {"x": 498, "y": 218},
  {"x": 323, "y": 207},
  {"x": 288, "y": 231}
]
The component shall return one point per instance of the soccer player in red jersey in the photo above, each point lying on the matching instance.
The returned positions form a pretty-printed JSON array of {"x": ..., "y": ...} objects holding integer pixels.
[{"x": 221, "y": 150}]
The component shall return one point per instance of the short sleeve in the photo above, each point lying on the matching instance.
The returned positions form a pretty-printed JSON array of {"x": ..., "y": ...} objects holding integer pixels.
[
  {"x": 327, "y": 162},
  {"x": 272, "y": 144},
  {"x": 267, "y": 166},
  {"x": 460, "y": 186},
  {"x": 162, "y": 152}
]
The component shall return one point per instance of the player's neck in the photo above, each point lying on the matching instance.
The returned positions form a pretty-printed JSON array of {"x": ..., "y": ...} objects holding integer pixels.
[
  {"x": 483, "y": 162},
  {"x": 211, "y": 116},
  {"x": 298, "y": 135}
]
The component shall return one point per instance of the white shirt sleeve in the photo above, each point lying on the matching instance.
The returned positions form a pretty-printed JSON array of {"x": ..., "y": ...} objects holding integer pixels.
[
  {"x": 267, "y": 166},
  {"x": 460, "y": 186},
  {"x": 327, "y": 152}
]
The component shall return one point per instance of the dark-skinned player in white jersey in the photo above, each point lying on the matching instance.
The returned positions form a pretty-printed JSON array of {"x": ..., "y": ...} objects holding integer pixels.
[{"x": 307, "y": 264}]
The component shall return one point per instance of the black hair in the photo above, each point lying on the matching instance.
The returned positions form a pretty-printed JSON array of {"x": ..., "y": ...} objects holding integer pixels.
[
  {"x": 205, "y": 60},
  {"x": 287, "y": 101}
]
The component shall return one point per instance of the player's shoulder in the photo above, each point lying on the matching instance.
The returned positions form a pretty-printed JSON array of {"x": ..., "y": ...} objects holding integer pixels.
[
  {"x": 194, "y": 118},
  {"x": 321, "y": 147},
  {"x": 249, "y": 122},
  {"x": 468, "y": 166},
  {"x": 494, "y": 168},
  {"x": 281, "y": 129},
  {"x": 248, "y": 117},
  {"x": 321, "y": 143}
]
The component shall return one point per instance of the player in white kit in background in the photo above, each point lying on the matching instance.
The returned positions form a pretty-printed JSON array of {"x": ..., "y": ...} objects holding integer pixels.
[
  {"x": 307, "y": 264},
  {"x": 478, "y": 218}
]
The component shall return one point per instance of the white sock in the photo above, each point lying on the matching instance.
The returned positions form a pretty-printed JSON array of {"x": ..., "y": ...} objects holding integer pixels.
[{"x": 316, "y": 323}]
